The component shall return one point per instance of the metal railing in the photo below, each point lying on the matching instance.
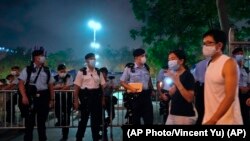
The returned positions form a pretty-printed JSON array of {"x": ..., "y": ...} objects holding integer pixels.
[{"x": 10, "y": 115}]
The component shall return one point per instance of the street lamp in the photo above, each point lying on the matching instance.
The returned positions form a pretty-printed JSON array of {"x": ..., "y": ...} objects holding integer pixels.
[{"x": 95, "y": 26}]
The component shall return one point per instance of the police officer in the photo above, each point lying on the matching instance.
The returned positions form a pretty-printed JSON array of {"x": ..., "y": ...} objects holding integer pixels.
[
  {"x": 199, "y": 76},
  {"x": 141, "y": 103},
  {"x": 63, "y": 100},
  {"x": 36, "y": 89},
  {"x": 88, "y": 86},
  {"x": 244, "y": 87},
  {"x": 163, "y": 85}
]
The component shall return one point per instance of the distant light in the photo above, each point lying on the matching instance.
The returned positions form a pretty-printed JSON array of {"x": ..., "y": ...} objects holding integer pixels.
[
  {"x": 97, "y": 56},
  {"x": 94, "y": 25},
  {"x": 95, "y": 45},
  {"x": 97, "y": 63}
]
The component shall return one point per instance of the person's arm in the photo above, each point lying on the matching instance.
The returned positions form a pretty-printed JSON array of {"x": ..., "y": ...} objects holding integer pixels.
[
  {"x": 51, "y": 90},
  {"x": 77, "y": 86},
  {"x": 10, "y": 86},
  {"x": 248, "y": 102},
  {"x": 103, "y": 85},
  {"x": 21, "y": 87},
  {"x": 188, "y": 95},
  {"x": 230, "y": 75},
  {"x": 52, "y": 95}
]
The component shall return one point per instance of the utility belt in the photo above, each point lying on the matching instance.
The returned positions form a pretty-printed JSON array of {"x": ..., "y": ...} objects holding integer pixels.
[
  {"x": 90, "y": 92},
  {"x": 42, "y": 93},
  {"x": 127, "y": 95},
  {"x": 32, "y": 91},
  {"x": 86, "y": 90}
]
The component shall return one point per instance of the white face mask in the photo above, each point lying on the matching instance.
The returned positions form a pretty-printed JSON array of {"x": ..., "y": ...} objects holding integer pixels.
[
  {"x": 13, "y": 73},
  {"x": 239, "y": 58},
  {"x": 62, "y": 75},
  {"x": 143, "y": 60},
  {"x": 8, "y": 81},
  {"x": 208, "y": 51},
  {"x": 173, "y": 65},
  {"x": 92, "y": 62},
  {"x": 42, "y": 59}
]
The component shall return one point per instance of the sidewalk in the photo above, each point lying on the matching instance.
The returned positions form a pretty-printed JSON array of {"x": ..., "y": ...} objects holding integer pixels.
[{"x": 54, "y": 134}]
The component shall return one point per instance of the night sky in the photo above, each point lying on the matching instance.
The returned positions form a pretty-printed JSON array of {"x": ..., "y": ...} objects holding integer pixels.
[{"x": 61, "y": 24}]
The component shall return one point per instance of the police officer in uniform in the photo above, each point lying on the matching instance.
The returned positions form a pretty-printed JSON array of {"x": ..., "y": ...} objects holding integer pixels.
[
  {"x": 38, "y": 100},
  {"x": 244, "y": 87},
  {"x": 163, "y": 84},
  {"x": 141, "y": 103},
  {"x": 88, "y": 86}
]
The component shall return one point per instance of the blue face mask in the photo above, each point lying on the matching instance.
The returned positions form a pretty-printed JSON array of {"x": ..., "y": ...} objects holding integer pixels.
[
  {"x": 173, "y": 65},
  {"x": 239, "y": 58}
]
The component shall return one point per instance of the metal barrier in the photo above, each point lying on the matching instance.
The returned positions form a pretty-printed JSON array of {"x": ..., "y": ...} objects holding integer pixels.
[{"x": 10, "y": 116}]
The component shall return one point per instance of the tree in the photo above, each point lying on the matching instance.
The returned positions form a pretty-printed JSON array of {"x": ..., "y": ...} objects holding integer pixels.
[
  {"x": 110, "y": 58},
  {"x": 60, "y": 57},
  {"x": 20, "y": 57},
  {"x": 171, "y": 24}
]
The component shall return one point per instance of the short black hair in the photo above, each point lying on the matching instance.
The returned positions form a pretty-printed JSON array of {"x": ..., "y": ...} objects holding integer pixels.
[
  {"x": 104, "y": 70},
  {"x": 38, "y": 52},
  {"x": 138, "y": 52},
  {"x": 180, "y": 54},
  {"x": 89, "y": 55},
  {"x": 9, "y": 76},
  {"x": 15, "y": 68},
  {"x": 218, "y": 35},
  {"x": 61, "y": 67},
  {"x": 237, "y": 50}
]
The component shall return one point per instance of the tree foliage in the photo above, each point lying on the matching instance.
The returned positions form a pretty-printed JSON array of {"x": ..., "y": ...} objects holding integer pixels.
[
  {"x": 172, "y": 24},
  {"x": 20, "y": 57}
]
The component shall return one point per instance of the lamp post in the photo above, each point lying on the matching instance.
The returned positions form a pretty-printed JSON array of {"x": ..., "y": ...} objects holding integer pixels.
[{"x": 95, "y": 26}]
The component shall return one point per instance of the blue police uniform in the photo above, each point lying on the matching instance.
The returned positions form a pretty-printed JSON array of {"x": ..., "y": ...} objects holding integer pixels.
[
  {"x": 140, "y": 105},
  {"x": 39, "y": 105}
]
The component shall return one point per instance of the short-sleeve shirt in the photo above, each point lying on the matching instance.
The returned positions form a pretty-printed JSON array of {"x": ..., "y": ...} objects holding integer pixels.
[
  {"x": 90, "y": 81},
  {"x": 200, "y": 69},
  {"x": 179, "y": 106},
  {"x": 243, "y": 81},
  {"x": 140, "y": 75},
  {"x": 41, "y": 83}
]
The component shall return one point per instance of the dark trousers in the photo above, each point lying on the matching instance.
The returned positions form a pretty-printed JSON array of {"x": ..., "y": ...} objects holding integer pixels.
[
  {"x": 199, "y": 101},
  {"x": 63, "y": 105},
  {"x": 110, "y": 102},
  {"x": 110, "y": 107},
  {"x": 142, "y": 108},
  {"x": 244, "y": 108},
  {"x": 164, "y": 108},
  {"x": 10, "y": 108},
  {"x": 90, "y": 106},
  {"x": 39, "y": 110}
]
